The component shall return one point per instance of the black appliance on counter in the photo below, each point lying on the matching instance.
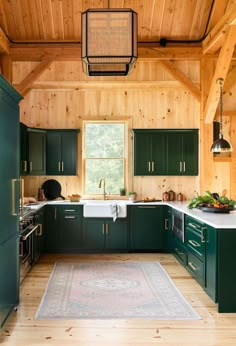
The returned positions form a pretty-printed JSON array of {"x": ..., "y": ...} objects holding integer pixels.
[
  {"x": 178, "y": 224},
  {"x": 30, "y": 231}
]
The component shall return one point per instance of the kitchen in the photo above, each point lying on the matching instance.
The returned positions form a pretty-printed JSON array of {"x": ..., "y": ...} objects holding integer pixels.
[{"x": 58, "y": 95}]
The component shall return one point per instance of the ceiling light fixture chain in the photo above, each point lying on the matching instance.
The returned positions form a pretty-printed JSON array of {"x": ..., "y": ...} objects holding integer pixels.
[{"x": 220, "y": 82}]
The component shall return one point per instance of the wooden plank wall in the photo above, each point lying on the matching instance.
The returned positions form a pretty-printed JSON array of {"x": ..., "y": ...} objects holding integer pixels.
[{"x": 163, "y": 103}]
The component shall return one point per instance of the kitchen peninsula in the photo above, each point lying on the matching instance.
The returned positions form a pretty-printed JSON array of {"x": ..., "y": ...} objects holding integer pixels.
[{"x": 207, "y": 251}]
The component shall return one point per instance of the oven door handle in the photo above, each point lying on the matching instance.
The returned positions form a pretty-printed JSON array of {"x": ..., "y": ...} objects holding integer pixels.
[{"x": 24, "y": 237}]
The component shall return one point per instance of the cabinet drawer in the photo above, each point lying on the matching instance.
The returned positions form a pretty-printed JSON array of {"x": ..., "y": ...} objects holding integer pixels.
[
  {"x": 196, "y": 268},
  {"x": 71, "y": 211},
  {"x": 180, "y": 252},
  {"x": 195, "y": 237}
]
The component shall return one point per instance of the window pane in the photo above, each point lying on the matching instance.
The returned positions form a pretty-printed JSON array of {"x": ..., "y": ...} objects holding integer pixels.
[
  {"x": 104, "y": 141},
  {"x": 113, "y": 172}
]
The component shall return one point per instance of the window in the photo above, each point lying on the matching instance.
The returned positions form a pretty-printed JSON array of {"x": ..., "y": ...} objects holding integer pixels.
[{"x": 104, "y": 156}]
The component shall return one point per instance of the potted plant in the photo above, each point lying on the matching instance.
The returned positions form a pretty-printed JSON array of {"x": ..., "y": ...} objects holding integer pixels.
[
  {"x": 122, "y": 191},
  {"x": 132, "y": 195}
]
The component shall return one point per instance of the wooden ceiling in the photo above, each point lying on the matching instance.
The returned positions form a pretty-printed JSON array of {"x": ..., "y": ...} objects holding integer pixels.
[
  {"x": 60, "y": 20},
  {"x": 50, "y": 30}
]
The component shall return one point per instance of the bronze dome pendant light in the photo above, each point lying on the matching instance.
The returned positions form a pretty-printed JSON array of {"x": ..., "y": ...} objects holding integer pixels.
[{"x": 221, "y": 145}]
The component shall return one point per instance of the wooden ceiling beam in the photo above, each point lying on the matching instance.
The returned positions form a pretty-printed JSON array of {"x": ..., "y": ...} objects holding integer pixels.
[
  {"x": 181, "y": 77},
  {"x": 4, "y": 43},
  {"x": 26, "y": 83},
  {"x": 33, "y": 52},
  {"x": 230, "y": 80},
  {"x": 221, "y": 70},
  {"x": 215, "y": 38}
]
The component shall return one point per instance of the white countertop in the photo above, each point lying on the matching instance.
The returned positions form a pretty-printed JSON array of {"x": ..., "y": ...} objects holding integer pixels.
[{"x": 225, "y": 221}]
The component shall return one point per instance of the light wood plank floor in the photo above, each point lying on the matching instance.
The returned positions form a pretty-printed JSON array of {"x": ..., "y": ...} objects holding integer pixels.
[{"x": 22, "y": 329}]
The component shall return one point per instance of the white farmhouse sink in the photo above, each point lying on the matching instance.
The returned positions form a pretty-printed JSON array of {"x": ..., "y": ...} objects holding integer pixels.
[{"x": 106, "y": 208}]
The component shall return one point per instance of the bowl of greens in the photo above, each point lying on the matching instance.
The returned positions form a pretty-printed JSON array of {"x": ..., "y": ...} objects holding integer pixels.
[{"x": 212, "y": 202}]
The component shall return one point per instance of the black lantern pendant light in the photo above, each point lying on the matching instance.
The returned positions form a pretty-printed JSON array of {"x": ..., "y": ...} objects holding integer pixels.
[
  {"x": 109, "y": 41},
  {"x": 221, "y": 145}
]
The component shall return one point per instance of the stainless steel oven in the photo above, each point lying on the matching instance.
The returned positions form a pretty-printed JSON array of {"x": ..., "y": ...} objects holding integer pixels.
[
  {"x": 29, "y": 229},
  {"x": 178, "y": 224}
]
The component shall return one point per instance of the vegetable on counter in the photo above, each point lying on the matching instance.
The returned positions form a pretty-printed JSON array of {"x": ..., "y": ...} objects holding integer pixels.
[{"x": 211, "y": 200}]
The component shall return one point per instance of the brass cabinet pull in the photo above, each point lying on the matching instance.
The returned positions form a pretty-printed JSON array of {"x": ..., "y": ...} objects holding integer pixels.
[
  {"x": 153, "y": 166},
  {"x": 149, "y": 166},
  {"x": 192, "y": 266},
  {"x": 192, "y": 225},
  {"x": 180, "y": 166},
  {"x": 70, "y": 217},
  {"x": 25, "y": 166},
  {"x": 184, "y": 166},
  {"x": 203, "y": 235},
  {"x": 146, "y": 207},
  {"x": 69, "y": 210},
  {"x": 103, "y": 228},
  {"x": 62, "y": 166},
  {"x": 13, "y": 197},
  {"x": 107, "y": 229},
  {"x": 194, "y": 243},
  {"x": 31, "y": 166},
  {"x": 59, "y": 166},
  {"x": 39, "y": 230},
  {"x": 179, "y": 252}
]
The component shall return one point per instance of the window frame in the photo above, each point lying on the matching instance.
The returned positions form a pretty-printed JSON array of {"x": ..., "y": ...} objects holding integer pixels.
[{"x": 125, "y": 157}]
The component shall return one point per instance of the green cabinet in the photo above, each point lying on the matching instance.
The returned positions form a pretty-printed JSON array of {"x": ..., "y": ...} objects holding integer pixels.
[
  {"x": 146, "y": 227},
  {"x": 195, "y": 239},
  {"x": 149, "y": 152},
  {"x": 24, "y": 154},
  {"x": 9, "y": 211},
  {"x": 37, "y": 151},
  {"x": 104, "y": 234},
  {"x": 62, "y": 152},
  {"x": 63, "y": 227},
  {"x": 165, "y": 152},
  {"x": 182, "y": 152}
]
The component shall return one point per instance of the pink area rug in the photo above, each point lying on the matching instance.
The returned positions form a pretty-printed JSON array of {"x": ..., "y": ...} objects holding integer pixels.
[{"x": 102, "y": 290}]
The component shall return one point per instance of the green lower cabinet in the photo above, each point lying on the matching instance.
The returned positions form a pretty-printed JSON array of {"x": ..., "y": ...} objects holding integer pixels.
[
  {"x": 168, "y": 228},
  {"x": 63, "y": 226},
  {"x": 146, "y": 227},
  {"x": 104, "y": 234},
  {"x": 179, "y": 250},
  {"x": 211, "y": 262},
  {"x": 9, "y": 277}
]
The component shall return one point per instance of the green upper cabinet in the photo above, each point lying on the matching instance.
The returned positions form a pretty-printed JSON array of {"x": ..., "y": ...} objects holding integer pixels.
[
  {"x": 37, "y": 151},
  {"x": 165, "y": 152},
  {"x": 149, "y": 153},
  {"x": 182, "y": 152},
  {"x": 62, "y": 152}
]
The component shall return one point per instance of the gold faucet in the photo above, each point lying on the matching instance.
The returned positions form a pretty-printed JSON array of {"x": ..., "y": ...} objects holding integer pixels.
[{"x": 104, "y": 187}]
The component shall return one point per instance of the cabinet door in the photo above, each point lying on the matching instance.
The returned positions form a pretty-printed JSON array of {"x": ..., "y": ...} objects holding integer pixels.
[
  {"x": 62, "y": 152},
  {"x": 183, "y": 153},
  {"x": 190, "y": 153},
  {"x": 9, "y": 277},
  {"x": 174, "y": 153},
  {"x": 93, "y": 234},
  {"x": 23, "y": 149},
  {"x": 159, "y": 154},
  {"x": 116, "y": 234},
  {"x": 9, "y": 211},
  {"x": 37, "y": 152},
  {"x": 142, "y": 153},
  {"x": 147, "y": 227},
  {"x": 70, "y": 227},
  {"x": 53, "y": 238},
  {"x": 53, "y": 153},
  {"x": 69, "y": 153}
]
